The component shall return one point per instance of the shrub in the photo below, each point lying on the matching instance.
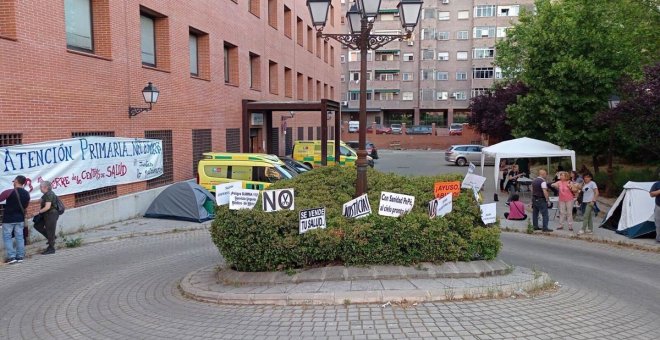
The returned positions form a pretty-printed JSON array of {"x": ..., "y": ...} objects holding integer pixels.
[{"x": 254, "y": 240}]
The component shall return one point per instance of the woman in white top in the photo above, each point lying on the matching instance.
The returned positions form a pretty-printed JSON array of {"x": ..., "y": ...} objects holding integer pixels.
[{"x": 589, "y": 197}]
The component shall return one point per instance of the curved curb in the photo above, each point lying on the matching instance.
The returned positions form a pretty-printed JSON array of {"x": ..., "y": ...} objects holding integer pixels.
[{"x": 196, "y": 285}]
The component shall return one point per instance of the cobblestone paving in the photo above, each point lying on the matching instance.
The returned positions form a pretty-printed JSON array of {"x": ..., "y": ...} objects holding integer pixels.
[{"x": 128, "y": 289}]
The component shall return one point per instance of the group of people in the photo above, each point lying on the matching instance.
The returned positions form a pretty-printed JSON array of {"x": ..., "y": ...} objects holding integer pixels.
[
  {"x": 568, "y": 186},
  {"x": 14, "y": 218}
]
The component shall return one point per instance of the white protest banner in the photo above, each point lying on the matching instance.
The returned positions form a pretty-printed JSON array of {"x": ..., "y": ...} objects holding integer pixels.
[
  {"x": 312, "y": 219},
  {"x": 472, "y": 180},
  {"x": 471, "y": 168},
  {"x": 441, "y": 206},
  {"x": 243, "y": 199},
  {"x": 222, "y": 192},
  {"x": 489, "y": 213},
  {"x": 274, "y": 200},
  {"x": 358, "y": 207},
  {"x": 475, "y": 191},
  {"x": 395, "y": 205},
  {"x": 81, "y": 164}
]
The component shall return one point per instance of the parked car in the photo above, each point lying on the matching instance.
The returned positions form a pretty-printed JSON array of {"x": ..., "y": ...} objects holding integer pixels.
[
  {"x": 371, "y": 148},
  {"x": 396, "y": 129},
  {"x": 456, "y": 129},
  {"x": 294, "y": 165},
  {"x": 419, "y": 130},
  {"x": 461, "y": 155},
  {"x": 380, "y": 129}
]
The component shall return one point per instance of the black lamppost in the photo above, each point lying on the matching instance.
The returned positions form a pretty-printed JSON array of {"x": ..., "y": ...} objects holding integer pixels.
[
  {"x": 361, "y": 17},
  {"x": 150, "y": 94},
  {"x": 613, "y": 103}
]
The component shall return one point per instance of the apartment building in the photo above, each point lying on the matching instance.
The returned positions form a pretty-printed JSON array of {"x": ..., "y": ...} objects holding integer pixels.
[
  {"x": 431, "y": 77},
  {"x": 72, "y": 68}
]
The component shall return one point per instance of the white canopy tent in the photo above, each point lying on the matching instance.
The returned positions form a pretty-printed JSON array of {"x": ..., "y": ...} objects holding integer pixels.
[{"x": 523, "y": 148}]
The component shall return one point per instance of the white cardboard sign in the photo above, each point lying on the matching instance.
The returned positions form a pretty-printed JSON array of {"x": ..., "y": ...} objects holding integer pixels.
[
  {"x": 357, "y": 208},
  {"x": 471, "y": 168},
  {"x": 472, "y": 180},
  {"x": 312, "y": 219},
  {"x": 475, "y": 191},
  {"x": 243, "y": 199},
  {"x": 222, "y": 192},
  {"x": 395, "y": 205},
  {"x": 440, "y": 206},
  {"x": 489, "y": 213},
  {"x": 274, "y": 200}
]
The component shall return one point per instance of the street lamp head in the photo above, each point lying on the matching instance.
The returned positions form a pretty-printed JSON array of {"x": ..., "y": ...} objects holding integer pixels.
[
  {"x": 409, "y": 12},
  {"x": 150, "y": 94},
  {"x": 354, "y": 19},
  {"x": 614, "y": 101},
  {"x": 318, "y": 10},
  {"x": 369, "y": 8}
]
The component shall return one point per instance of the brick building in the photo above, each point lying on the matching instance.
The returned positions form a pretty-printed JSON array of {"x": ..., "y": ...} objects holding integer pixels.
[{"x": 73, "y": 67}]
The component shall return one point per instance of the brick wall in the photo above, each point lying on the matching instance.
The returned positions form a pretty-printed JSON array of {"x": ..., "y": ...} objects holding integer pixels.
[{"x": 49, "y": 91}]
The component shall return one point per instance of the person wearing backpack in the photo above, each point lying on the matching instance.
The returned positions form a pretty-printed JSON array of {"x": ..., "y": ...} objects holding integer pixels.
[
  {"x": 46, "y": 221},
  {"x": 16, "y": 200}
]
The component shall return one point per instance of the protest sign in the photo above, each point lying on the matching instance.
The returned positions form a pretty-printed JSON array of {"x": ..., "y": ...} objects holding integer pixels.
[
  {"x": 358, "y": 207},
  {"x": 312, "y": 219},
  {"x": 475, "y": 191},
  {"x": 395, "y": 205},
  {"x": 243, "y": 199},
  {"x": 489, "y": 213},
  {"x": 440, "y": 206},
  {"x": 274, "y": 200},
  {"x": 472, "y": 180},
  {"x": 441, "y": 189},
  {"x": 222, "y": 192},
  {"x": 471, "y": 168}
]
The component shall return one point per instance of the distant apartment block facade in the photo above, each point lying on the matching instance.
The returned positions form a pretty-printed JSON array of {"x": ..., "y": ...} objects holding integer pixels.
[{"x": 431, "y": 77}]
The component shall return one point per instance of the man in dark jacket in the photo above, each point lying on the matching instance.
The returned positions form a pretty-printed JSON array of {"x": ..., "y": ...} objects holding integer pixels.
[
  {"x": 540, "y": 201},
  {"x": 13, "y": 219}
]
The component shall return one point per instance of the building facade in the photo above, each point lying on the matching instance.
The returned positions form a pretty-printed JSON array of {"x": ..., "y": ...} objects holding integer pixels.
[
  {"x": 431, "y": 77},
  {"x": 72, "y": 68}
]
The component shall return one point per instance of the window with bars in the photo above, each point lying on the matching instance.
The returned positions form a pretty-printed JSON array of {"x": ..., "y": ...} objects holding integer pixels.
[
  {"x": 99, "y": 194},
  {"x": 318, "y": 132},
  {"x": 168, "y": 160},
  {"x": 310, "y": 133},
  {"x": 7, "y": 139},
  {"x": 301, "y": 132},
  {"x": 233, "y": 140},
  {"x": 201, "y": 142}
]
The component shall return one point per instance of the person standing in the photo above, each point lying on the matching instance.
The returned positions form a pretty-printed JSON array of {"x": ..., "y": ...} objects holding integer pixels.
[
  {"x": 566, "y": 198},
  {"x": 589, "y": 197},
  {"x": 655, "y": 192},
  {"x": 46, "y": 223},
  {"x": 540, "y": 201},
  {"x": 13, "y": 219}
]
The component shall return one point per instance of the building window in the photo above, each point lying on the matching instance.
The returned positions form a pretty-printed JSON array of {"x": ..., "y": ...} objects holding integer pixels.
[
  {"x": 461, "y": 55},
  {"x": 288, "y": 23},
  {"x": 194, "y": 56},
  {"x": 332, "y": 15},
  {"x": 484, "y": 32},
  {"x": 427, "y": 74},
  {"x": 254, "y": 7},
  {"x": 310, "y": 88},
  {"x": 444, "y": 56},
  {"x": 342, "y": 58},
  {"x": 272, "y": 77},
  {"x": 78, "y": 18},
  {"x": 231, "y": 63},
  {"x": 332, "y": 92},
  {"x": 255, "y": 71},
  {"x": 310, "y": 40},
  {"x": 428, "y": 54},
  {"x": 479, "y": 92},
  {"x": 441, "y": 75},
  {"x": 508, "y": 11},
  {"x": 168, "y": 160},
  {"x": 385, "y": 96},
  {"x": 426, "y": 94},
  {"x": 148, "y": 40},
  {"x": 272, "y": 13},
  {"x": 443, "y": 35},
  {"x": 407, "y": 76},
  {"x": 443, "y": 15},
  {"x": 332, "y": 56},
  {"x": 288, "y": 82},
  {"x": 310, "y": 133},
  {"x": 301, "y": 133},
  {"x": 483, "y": 53},
  {"x": 325, "y": 90},
  {"x": 202, "y": 141},
  {"x": 460, "y": 75},
  {"x": 408, "y": 57},
  {"x": 233, "y": 140},
  {"x": 484, "y": 11},
  {"x": 428, "y": 13},
  {"x": 501, "y": 32},
  {"x": 407, "y": 96},
  {"x": 462, "y": 15},
  {"x": 300, "y": 34},
  {"x": 483, "y": 73},
  {"x": 462, "y": 35},
  {"x": 300, "y": 86},
  {"x": 325, "y": 51},
  {"x": 353, "y": 56},
  {"x": 441, "y": 95},
  {"x": 318, "y": 90},
  {"x": 460, "y": 95},
  {"x": 342, "y": 78},
  {"x": 428, "y": 33}
]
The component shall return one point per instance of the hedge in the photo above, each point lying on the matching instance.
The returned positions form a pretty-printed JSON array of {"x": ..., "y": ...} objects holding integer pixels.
[{"x": 254, "y": 240}]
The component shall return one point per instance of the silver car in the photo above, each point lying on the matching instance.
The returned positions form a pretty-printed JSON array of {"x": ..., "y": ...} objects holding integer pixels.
[
  {"x": 396, "y": 129},
  {"x": 462, "y": 155}
]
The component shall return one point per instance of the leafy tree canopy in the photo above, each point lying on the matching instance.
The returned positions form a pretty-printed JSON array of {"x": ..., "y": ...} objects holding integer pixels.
[
  {"x": 571, "y": 54},
  {"x": 488, "y": 111}
]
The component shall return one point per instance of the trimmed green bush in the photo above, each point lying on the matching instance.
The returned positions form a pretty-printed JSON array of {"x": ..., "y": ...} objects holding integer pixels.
[{"x": 254, "y": 240}]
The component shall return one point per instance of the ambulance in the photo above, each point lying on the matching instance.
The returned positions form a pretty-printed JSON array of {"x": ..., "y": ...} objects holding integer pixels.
[
  {"x": 308, "y": 152},
  {"x": 255, "y": 170}
]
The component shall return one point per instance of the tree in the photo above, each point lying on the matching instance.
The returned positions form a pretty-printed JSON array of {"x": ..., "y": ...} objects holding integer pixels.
[
  {"x": 571, "y": 54},
  {"x": 488, "y": 111}
]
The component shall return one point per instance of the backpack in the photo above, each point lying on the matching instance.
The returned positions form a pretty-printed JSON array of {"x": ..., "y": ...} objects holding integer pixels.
[{"x": 59, "y": 206}]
